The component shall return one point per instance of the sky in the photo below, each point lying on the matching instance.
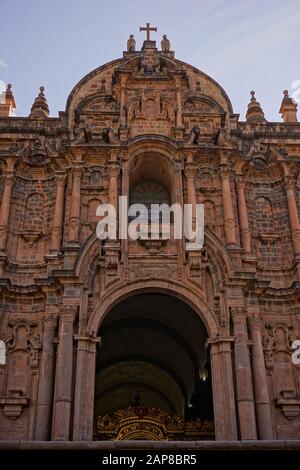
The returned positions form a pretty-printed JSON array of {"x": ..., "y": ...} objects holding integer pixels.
[{"x": 242, "y": 44}]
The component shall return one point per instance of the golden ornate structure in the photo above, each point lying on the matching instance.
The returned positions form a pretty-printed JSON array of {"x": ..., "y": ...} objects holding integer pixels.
[{"x": 142, "y": 423}]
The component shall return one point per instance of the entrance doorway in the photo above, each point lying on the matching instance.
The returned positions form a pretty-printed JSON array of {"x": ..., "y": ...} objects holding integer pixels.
[{"x": 152, "y": 372}]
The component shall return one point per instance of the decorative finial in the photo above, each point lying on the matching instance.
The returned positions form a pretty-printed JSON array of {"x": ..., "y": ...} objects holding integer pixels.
[
  {"x": 7, "y": 102},
  {"x": 254, "y": 111},
  {"x": 288, "y": 108},
  {"x": 40, "y": 108}
]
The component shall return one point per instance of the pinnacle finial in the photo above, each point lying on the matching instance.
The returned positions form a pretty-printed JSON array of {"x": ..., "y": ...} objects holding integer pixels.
[
  {"x": 40, "y": 108},
  {"x": 7, "y": 104},
  {"x": 254, "y": 111},
  {"x": 288, "y": 108}
]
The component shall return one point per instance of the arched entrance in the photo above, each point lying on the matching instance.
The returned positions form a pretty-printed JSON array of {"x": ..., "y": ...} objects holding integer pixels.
[
  {"x": 218, "y": 349},
  {"x": 152, "y": 371}
]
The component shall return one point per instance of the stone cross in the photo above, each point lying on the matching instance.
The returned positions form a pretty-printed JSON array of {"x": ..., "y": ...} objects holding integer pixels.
[{"x": 148, "y": 28}]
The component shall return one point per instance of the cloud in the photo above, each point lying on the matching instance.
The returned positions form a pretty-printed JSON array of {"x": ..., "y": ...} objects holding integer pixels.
[{"x": 3, "y": 65}]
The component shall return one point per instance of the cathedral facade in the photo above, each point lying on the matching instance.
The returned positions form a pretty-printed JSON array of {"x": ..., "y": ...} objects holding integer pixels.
[{"x": 143, "y": 339}]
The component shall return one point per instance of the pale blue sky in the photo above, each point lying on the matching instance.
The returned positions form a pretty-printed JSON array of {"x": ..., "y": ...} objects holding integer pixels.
[{"x": 243, "y": 44}]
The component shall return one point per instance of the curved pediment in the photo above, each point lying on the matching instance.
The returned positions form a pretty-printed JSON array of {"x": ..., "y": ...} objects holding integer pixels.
[{"x": 202, "y": 104}]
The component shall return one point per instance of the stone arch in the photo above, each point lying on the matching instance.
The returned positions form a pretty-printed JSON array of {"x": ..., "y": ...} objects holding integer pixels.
[
  {"x": 153, "y": 161},
  {"x": 183, "y": 292},
  {"x": 218, "y": 254},
  {"x": 87, "y": 258}
]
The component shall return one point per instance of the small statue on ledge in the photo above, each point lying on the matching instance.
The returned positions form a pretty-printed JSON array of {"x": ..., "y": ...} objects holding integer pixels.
[
  {"x": 131, "y": 44},
  {"x": 165, "y": 44}
]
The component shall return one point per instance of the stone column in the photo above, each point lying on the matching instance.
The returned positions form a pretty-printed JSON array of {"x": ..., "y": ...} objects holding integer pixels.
[
  {"x": 123, "y": 80},
  {"x": 243, "y": 214},
  {"x": 113, "y": 172},
  {"x": 243, "y": 375},
  {"x": 178, "y": 102},
  {"x": 229, "y": 223},
  {"x": 293, "y": 213},
  {"x": 46, "y": 380},
  {"x": 74, "y": 218},
  {"x": 178, "y": 167},
  {"x": 223, "y": 389},
  {"x": 261, "y": 392},
  {"x": 63, "y": 379},
  {"x": 58, "y": 213},
  {"x": 189, "y": 172},
  {"x": 125, "y": 192},
  {"x": 5, "y": 204},
  {"x": 84, "y": 390}
]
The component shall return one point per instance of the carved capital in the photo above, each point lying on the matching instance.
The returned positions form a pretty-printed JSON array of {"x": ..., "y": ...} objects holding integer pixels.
[
  {"x": 113, "y": 170},
  {"x": 225, "y": 171},
  {"x": 8, "y": 178},
  {"x": 77, "y": 169},
  {"x": 190, "y": 170},
  {"x": 68, "y": 313},
  {"x": 240, "y": 181},
  {"x": 50, "y": 320},
  {"x": 60, "y": 178},
  {"x": 289, "y": 182},
  {"x": 255, "y": 322},
  {"x": 238, "y": 314}
]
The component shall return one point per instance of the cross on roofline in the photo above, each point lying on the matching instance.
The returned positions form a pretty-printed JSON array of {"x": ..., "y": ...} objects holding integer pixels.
[{"x": 148, "y": 29}]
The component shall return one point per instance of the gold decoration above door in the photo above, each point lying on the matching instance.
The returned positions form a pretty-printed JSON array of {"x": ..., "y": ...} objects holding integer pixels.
[{"x": 142, "y": 423}]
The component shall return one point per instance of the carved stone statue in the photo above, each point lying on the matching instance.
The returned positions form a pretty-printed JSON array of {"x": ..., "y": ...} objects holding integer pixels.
[
  {"x": 195, "y": 136},
  {"x": 165, "y": 44},
  {"x": 131, "y": 43}
]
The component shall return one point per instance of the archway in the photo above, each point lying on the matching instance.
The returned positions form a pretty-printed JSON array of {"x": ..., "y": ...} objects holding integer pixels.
[{"x": 152, "y": 368}]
